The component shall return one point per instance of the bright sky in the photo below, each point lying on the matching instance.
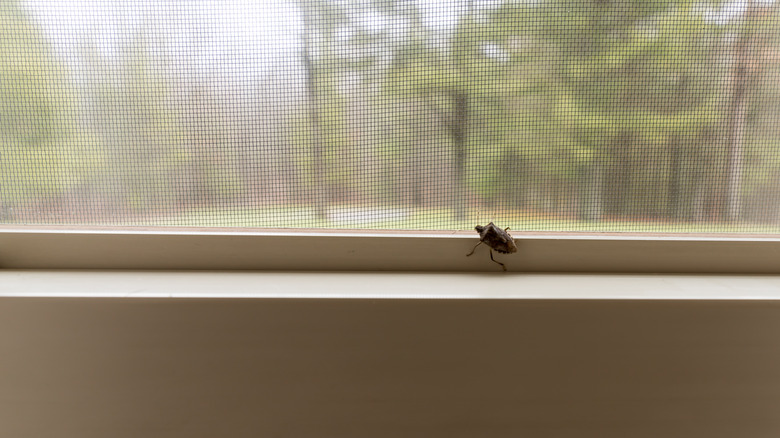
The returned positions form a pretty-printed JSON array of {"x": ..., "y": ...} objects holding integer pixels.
[
  {"x": 238, "y": 38},
  {"x": 232, "y": 35}
]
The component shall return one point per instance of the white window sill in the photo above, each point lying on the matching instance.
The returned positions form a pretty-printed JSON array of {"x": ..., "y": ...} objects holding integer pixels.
[
  {"x": 157, "y": 367},
  {"x": 383, "y": 285}
]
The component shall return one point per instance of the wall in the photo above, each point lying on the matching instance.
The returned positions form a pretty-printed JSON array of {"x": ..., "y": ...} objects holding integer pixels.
[{"x": 156, "y": 367}]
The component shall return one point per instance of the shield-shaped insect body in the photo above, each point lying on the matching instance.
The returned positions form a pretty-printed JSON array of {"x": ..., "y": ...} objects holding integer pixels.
[{"x": 495, "y": 238}]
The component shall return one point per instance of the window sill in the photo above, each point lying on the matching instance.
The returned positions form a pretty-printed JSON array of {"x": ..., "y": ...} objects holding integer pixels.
[
  {"x": 379, "y": 285},
  {"x": 161, "y": 249},
  {"x": 570, "y": 355}
]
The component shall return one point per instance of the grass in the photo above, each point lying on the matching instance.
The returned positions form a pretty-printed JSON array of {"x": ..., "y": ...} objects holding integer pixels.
[{"x": 393, "y": 218}]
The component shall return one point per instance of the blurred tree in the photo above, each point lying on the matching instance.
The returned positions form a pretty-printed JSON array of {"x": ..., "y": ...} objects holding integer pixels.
[
  {"x": 137, "y": 118},
  {"x": 634, "y": 89},
  {"x": 758, "y": 69},
  {"x": 34, "y": 117},
  {"x": 309, "y": 10}
]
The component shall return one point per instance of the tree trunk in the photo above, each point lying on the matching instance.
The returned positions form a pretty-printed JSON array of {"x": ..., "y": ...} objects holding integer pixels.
[
  {"x": 459, "y": 133},
  {"x": 592, "y": 198},
  {"x": 675, "y": 209},
  {"x": 321, "y": 192},
  {"x": 735, "y": 149},
  {"x": 737, "y": 115}
]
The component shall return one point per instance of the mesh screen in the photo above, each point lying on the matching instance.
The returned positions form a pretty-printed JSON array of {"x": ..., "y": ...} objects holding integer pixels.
[{"x": 550, "y": 115}]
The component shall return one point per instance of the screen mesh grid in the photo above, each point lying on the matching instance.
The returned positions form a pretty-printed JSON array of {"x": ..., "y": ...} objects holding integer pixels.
[{"x": 617, "y": 115}]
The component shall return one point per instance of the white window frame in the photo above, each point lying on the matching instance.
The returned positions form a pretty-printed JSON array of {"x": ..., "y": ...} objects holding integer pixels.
[{"x": 335, "y": 250}]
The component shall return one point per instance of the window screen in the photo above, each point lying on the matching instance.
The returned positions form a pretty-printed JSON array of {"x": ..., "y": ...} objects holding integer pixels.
[{"x": 544, "y": 115}]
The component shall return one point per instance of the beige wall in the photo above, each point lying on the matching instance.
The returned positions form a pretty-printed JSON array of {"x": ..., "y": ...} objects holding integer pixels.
[{"x": 111, "y": 367}]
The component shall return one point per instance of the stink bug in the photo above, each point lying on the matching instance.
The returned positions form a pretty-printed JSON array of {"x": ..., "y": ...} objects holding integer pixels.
[{"x": 495, "y": 238}]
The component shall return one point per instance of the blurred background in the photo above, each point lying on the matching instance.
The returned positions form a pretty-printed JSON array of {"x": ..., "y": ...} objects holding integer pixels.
[{"x": 539, "y": 115}]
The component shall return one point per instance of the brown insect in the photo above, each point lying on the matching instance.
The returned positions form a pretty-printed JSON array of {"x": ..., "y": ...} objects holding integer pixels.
[{"x": 497, "y": 239}]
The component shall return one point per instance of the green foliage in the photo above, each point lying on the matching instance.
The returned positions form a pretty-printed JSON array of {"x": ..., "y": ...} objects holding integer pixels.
[
  {"x": 33, "y": 110},
  {"x": 622, "y": 108}
]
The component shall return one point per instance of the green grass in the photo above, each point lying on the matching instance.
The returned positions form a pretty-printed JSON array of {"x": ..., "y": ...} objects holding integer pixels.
[{"x": 431, "y": 219}]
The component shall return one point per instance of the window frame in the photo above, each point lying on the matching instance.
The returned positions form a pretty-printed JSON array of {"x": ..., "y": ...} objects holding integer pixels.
[{"x": 134, "y": 248}]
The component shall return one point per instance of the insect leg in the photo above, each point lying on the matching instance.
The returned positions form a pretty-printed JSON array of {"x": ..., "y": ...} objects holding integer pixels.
[
  {"x": 474, "y": 249},
  {"x": 496, "y": 261}
]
